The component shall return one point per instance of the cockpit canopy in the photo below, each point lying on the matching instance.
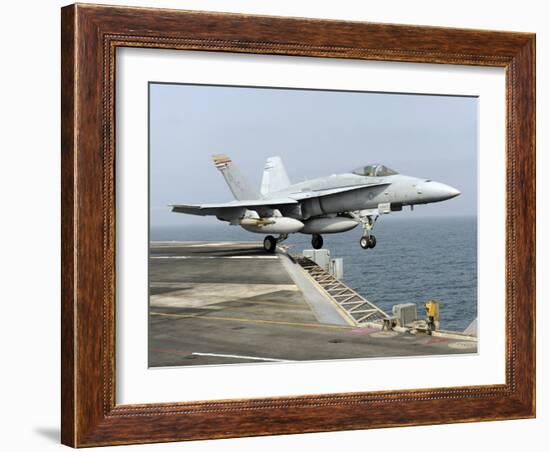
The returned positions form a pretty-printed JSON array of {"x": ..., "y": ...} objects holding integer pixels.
[{"x": 375, "y": 170}]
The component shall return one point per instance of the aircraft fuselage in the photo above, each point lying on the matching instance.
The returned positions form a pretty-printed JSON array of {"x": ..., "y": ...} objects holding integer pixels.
[{"x": 398, "y": 190}]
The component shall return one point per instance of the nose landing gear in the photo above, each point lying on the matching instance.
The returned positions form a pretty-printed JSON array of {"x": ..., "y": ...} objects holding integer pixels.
[{"x": 367, "y": 241}]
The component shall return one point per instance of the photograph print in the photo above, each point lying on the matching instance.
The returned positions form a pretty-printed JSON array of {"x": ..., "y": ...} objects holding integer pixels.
[{"x": 290, "y": 225}]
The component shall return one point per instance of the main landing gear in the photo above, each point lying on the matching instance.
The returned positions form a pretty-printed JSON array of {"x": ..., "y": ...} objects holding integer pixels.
[
  {"x": 317, "y": 241},
  {"x": 270, "y": 242}
]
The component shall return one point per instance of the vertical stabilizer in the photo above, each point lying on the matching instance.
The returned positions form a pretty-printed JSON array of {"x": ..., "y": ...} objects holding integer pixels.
[
  {"x": 238, "y": 185},
  {"x": 275, "y": 177}
]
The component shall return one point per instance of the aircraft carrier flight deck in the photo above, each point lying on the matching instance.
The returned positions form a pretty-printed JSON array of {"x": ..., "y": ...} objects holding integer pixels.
[{"x": 232, "y": 302}]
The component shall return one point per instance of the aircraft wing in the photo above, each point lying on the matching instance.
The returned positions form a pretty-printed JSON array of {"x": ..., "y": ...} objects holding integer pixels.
[
  {"x": 216, "y": 209},
  {"x": 303, "y": 195},
  {"x": 254, "y": 204}
]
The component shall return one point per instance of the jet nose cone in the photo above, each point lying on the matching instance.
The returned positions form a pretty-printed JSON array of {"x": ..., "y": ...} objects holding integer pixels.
[
  {"x": 445, "y": 191},
  {"x": 436, "y": 191},
  {"x": 453, "y": 192}
]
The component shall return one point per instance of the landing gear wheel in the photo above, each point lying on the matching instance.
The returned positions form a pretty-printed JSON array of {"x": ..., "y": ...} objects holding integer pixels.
[
  {"x": 372, "y": 241},
  {"x": 317, "y": 241},
  {"x": 270, "y": 244},
  {"x": 364, "y": 242}
]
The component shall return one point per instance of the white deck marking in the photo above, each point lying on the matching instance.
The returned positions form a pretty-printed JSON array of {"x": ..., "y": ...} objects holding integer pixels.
[
  {"x": 385, "y": 334},
  {"x": 466, "y": 345},
  {"x": 257, "y": 358},
  {"x": 186, "y": 244},
  {"x": 214, "y": 257},
  {"x": 217, "y": 244}
]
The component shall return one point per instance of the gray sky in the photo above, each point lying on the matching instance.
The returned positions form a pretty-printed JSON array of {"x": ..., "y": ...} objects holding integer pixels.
[{"x": 316, "y": 133}]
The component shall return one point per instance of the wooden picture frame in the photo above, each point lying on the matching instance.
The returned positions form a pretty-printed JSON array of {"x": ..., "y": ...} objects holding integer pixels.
[{"x": 90, "y": 36}]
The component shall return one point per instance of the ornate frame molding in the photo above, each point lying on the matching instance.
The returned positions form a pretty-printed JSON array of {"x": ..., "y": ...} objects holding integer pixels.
[{"x": 90, "y": 36}]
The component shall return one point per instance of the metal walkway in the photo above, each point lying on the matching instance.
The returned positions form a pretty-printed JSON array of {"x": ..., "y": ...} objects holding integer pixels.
[{"x": 359, "y": 310}]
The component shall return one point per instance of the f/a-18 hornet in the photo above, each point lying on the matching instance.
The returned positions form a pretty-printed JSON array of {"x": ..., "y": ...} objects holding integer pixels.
[{"x": 325, "y": 205}]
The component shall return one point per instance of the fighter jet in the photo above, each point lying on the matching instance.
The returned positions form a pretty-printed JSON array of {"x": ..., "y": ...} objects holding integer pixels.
[{"x": 325, "y": 205}]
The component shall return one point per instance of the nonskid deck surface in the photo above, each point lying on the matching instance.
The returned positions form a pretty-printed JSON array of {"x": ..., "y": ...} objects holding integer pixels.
[{"x": 231, "y": 302}]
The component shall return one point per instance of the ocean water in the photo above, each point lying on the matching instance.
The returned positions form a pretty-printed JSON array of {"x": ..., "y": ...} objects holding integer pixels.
[{"x": 415, "y": 260}]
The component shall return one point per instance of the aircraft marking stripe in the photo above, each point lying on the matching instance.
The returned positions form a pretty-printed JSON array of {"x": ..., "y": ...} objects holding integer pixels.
[
  {"x": 269, "y": 322},
  {"x": 222, "y": 160}
]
